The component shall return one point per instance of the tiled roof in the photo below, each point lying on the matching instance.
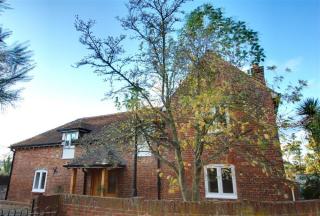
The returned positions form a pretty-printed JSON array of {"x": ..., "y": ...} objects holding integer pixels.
[{"x": 54, "y": 136}]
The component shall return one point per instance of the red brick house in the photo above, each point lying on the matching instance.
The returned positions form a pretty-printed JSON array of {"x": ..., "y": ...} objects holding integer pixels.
[{"x": 53, "y": 162}]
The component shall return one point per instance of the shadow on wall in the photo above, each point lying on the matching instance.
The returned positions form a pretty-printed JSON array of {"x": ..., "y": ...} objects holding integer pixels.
[{"x": 4, "y": 181}]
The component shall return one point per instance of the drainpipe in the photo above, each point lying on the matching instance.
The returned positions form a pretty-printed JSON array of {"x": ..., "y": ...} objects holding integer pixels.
[
  {"x": 159, "y": 180},
  {"x": 135, "y": 165},
  {"x": 293, "y": 196},
  {"x": 8, "y": 187}
]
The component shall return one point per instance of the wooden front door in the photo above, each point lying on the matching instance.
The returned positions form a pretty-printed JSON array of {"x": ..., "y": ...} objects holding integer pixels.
[
  {"x": 95, "y": 182},
  {"x": 104, "y": 182}
]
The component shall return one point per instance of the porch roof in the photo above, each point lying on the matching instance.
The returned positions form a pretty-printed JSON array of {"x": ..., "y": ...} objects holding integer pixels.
[{"x": 98, "y": 157}]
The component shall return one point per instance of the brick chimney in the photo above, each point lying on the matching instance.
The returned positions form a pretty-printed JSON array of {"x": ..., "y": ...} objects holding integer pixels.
[{"x": 257, "y": 73}]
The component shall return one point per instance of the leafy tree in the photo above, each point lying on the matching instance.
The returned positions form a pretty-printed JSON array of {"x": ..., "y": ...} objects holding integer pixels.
[
  {"x": 309, "y": 109},
  {"x": 311, "y": 189},
  {"x": 292, "y": 152},
  {"x": 175, "y": 80},
  {"x": 312, "y": 159},
  {"x": 15, "y": 63},
  {"x": 6, "y": 165},
  {"x": 288, "y": 96},
  {"x": 208, "y": 29}
]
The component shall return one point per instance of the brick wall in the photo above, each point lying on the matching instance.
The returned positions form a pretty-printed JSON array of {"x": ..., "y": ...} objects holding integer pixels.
[
  {"x": 27, "y": 161},
  {"x": 251, "y": 183},
  {"x": 69, "y": 205}
]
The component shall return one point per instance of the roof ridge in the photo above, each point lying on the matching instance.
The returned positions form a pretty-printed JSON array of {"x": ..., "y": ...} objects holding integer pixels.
[{"x": 106, "y": 115}]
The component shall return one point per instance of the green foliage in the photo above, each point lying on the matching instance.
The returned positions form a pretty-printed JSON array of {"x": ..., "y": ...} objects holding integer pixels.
[
  {"x": 207, "y": 29},
  {"x": 311, "y": 189},
  {"x": 309, "y": 110},
  {"x": 312, "y": 160},
  {"x": 285, "y": 98},
  {"x": 15, "y": 63},
  {"x": 292, "y": 152},
  {"x": 5, "y": 169}
]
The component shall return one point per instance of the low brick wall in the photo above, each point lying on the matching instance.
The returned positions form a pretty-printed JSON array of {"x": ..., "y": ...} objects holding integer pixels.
[
  {"x": 69, "y": 205},
  {"x": 13, "y": 203}
]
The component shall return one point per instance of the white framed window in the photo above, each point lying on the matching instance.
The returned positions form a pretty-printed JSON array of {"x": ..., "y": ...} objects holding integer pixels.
[
  {"x": 68, "y": 139},
  {"x": 221, "y": 120},
  {"x": 143, "y": 148},
  {"x": 220, "y": 181},
  {"x": 39, "y": 181}
]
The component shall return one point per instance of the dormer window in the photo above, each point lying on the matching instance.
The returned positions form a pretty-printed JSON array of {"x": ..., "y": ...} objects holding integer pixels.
[{"x": 68, "y": 139}]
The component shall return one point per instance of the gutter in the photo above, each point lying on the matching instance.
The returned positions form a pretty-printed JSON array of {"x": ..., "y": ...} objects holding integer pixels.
[
  {"x": 12, "y": 163},
  {"x": 119, "y": 166},
  {"x": 52, "y": 144},
  {"x": 35, "y": 145}
]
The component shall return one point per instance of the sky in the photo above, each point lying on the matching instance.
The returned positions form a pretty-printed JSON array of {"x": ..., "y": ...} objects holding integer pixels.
[{"x": 289, "y": 31}]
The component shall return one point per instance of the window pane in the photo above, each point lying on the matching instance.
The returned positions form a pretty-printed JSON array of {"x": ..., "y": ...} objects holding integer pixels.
[
  {"x": 143, "y": 147},
  {"x": 227, "y": 180},
  {"x": 68, "y": 136},
  {"x": 112, "y": 182},
  {"x": 74, "y": 136},
  {"x": 36, "y": 183},
  {"x": 44, "y": 176},
  {"x": 212, "y": 180}
]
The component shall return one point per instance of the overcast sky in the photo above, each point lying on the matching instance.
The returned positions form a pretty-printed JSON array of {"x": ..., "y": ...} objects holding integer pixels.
[{"x": 289, "y": 31}]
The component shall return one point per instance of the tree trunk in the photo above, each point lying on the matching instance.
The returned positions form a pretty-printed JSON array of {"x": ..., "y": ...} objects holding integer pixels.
[
  {"x": 197, "y": 168},
  {"x": 197, "y": 165},
  {"x": 182, "y": 177}
]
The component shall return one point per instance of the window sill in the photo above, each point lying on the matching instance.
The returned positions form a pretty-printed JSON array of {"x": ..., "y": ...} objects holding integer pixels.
[
  {"x": 144, "y": 154},
  {"x": 222, "y": 196},
  {"x": 37, "y": 191}
]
